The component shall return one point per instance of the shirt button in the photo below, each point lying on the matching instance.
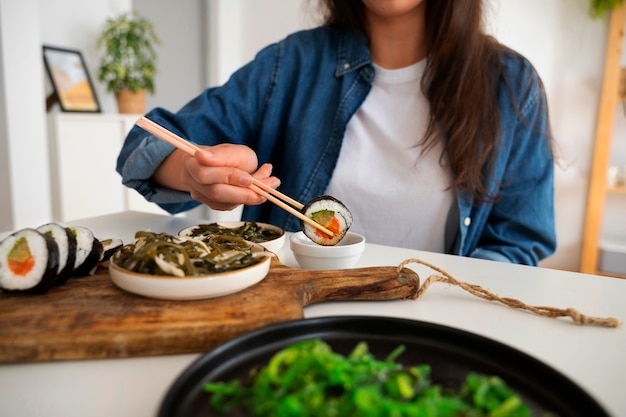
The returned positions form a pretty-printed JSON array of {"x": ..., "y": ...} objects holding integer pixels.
[
  {"x": 346, "y": 66},
  {"x": 467, "y": 221}
]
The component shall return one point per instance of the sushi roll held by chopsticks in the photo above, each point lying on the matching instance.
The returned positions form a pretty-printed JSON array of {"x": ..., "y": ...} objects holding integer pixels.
[{"x": 330, "y": 213}]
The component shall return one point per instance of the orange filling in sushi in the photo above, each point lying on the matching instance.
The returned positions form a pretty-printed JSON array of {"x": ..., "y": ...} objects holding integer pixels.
[{"x": 20, "y": 261}]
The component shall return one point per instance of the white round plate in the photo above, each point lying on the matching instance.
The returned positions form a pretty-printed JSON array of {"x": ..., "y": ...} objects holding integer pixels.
[
  {"x": 271, "y": 245},
  {"x": 189, "y": 288}
]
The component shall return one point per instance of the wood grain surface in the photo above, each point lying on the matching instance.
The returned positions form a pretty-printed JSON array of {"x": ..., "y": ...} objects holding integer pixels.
[{"x": 92, "y": 318}]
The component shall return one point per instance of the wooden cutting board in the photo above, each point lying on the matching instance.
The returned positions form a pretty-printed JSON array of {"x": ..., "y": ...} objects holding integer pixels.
[{"x": 92, "y": 318}]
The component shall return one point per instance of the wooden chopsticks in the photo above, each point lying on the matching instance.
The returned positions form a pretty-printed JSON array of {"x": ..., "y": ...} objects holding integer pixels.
[{"x": 257, "y": 186}]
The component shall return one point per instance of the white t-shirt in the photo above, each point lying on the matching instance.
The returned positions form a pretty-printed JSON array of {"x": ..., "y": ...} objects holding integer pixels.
[{"x": 396, "y": 194}]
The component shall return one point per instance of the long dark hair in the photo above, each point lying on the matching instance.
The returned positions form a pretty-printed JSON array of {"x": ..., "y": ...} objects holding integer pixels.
[{"x": 460, "y": 82}]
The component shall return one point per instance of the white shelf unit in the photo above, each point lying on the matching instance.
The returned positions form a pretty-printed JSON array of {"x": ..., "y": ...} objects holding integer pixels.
[{"x": 83, "y": 154}]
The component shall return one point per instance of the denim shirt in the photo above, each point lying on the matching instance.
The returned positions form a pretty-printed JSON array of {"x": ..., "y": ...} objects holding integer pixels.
[{"x": 292, "y": 103}]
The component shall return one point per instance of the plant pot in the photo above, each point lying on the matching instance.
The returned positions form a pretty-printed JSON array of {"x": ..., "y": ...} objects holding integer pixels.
[{"x": 129, "y": 102}]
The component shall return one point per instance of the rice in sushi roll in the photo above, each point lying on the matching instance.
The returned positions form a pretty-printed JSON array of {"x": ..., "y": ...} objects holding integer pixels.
[
  {"x": 66, "y": 244},
  {"x": 29, "y": 262},
  {"x": 88, "y": 251},
  {"x": 330, "y": 213}
]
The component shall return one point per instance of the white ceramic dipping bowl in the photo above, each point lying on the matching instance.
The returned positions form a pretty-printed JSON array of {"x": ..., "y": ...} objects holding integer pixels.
[{"x": 310, "y": 255}]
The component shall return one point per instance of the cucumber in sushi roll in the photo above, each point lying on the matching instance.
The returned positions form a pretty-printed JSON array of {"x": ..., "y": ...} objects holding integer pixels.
[
  {"x": 330, "y": 213},
  {"x": 29, "y": 262},
  {"x": 88, "y": 251},
  {"x": 66, "y": 243}
]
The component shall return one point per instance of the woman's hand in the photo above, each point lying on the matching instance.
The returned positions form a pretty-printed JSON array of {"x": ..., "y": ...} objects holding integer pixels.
[{"x": 218, "y": 176}]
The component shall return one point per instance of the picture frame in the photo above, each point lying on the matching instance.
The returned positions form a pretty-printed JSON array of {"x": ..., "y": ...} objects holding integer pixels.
[{"x": 69, "y": 76}]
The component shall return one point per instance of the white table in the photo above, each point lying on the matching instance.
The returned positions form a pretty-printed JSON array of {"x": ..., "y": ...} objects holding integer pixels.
[{"x": 593, "y": 357}]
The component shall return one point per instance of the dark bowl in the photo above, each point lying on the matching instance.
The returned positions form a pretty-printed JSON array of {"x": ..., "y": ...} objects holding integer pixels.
[{"x": 452, "y": 353}]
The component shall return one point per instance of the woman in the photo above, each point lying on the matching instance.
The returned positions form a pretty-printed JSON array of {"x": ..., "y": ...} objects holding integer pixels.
[{"x": 434, "y": 135}]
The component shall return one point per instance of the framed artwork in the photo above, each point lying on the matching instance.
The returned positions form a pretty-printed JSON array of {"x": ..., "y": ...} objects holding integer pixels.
[{"x": 70, "y": 80}]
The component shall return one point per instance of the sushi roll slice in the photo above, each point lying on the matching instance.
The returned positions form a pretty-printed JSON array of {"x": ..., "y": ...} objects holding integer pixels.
[
  {"x": 330, "y": 213},
  {"x": 66, "y": 243},
  {"x": 88, "y": 251},
  {"x": 29, "y": 262}
]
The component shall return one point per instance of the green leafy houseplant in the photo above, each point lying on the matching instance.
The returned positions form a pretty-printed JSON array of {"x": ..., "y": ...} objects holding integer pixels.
[
  {"x": 129, "y": 60},
  {"x": 598, "y": 8}
]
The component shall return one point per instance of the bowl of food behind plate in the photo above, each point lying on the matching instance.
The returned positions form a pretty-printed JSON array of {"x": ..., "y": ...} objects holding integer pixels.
[
  {"x": 267, "y": 235},
  {"x": 343, "y": 255},
  {"x": 158, "y": 265}
]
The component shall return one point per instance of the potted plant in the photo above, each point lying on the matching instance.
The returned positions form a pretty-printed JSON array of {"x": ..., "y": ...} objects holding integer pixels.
[
  {"x": 128, "y": 66},
  {"x": 598, "y": 8}
]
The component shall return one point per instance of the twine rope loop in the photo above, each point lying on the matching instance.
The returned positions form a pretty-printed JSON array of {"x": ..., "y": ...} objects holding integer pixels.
[{"x": 478, "y": 291}]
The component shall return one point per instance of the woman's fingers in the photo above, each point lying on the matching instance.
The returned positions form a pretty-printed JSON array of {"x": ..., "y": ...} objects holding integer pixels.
[
  {"x": 264, "y": 174},
  {"x": 228, "y": 155},
  {"x": 221, "y": 175}
]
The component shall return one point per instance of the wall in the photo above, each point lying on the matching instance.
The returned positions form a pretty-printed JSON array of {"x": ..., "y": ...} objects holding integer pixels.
[
  {"x": 614, "y": 225},
  {"x": 6, "y": 209},
  {"x": 240, "y": 28},
  {"x": 22, "y": 124},
  {"x": 181, "y": 53},
  {"x": 564, "y": 44}
]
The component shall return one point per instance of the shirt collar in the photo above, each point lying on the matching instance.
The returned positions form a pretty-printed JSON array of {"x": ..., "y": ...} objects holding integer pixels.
[{"x": 353, "y": 52}]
